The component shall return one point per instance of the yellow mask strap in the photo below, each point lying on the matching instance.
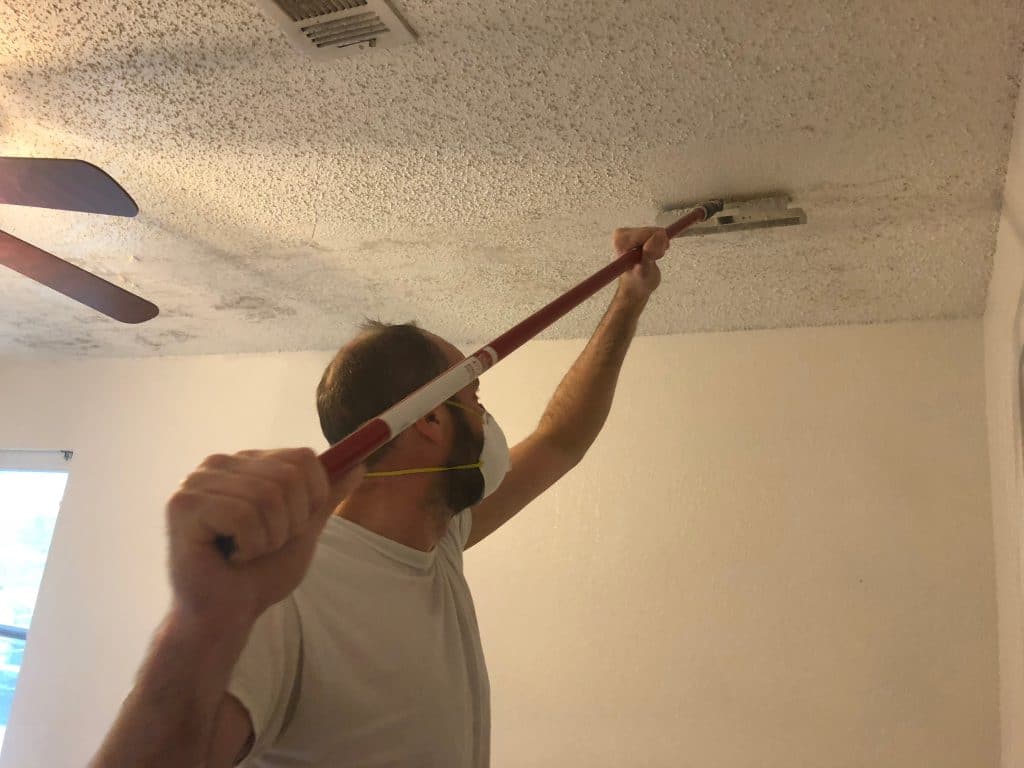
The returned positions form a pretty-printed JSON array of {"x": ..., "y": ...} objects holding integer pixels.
[
  {"x": 423, "y": 470},
  {"x": 428, "y": 470},
  {"x": 457, "y": 404}
]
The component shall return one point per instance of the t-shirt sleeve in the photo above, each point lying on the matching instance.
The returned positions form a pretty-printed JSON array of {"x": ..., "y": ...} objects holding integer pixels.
[
  {"x": 460, "y": 527},
  {"x": 265, "y": 676},
  {"x": 455, "y": 538}
]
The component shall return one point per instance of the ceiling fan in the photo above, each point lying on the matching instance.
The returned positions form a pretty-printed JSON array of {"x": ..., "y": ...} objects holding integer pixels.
[{"x": 67, "y": 185}]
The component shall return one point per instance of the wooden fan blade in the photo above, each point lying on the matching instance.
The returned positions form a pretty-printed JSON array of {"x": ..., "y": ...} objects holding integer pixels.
[
  {"x": 74, "y": 282},
  {"x": 67, "y": 185}
]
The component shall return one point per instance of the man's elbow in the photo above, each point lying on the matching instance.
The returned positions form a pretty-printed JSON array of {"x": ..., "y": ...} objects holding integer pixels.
[{"x": 565, "y": 451}]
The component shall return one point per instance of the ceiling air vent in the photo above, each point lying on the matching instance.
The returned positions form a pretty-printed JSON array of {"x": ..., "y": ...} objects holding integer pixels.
[{"x": 331, "y": 29}]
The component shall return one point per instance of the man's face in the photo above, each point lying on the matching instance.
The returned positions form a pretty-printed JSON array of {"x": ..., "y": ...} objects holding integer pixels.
[
  {"x": 469, "y": 396},
  {"x": 463, "y": 488}
]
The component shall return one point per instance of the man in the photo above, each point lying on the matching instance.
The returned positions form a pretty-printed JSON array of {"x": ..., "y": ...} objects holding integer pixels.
[{"x": 341, "y": 632}]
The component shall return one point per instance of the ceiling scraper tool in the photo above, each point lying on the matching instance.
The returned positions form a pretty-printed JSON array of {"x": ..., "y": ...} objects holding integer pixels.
[{"x": 736, "y": 215}]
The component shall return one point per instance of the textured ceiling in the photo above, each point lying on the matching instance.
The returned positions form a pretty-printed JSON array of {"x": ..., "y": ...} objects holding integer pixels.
[{"x": 468, "y": 178}]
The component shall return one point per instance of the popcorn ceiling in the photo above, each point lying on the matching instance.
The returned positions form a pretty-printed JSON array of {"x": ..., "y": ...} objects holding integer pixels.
[{"x": 469, "y": 178}]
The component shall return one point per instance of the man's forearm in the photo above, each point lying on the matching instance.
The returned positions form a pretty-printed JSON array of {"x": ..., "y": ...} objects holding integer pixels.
[
  {"x": 581, "y": 403},
  {"x": 167, "y": 719}
]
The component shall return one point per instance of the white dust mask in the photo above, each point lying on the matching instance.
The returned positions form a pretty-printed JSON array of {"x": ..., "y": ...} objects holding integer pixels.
[{"x": 494, "y": 456}]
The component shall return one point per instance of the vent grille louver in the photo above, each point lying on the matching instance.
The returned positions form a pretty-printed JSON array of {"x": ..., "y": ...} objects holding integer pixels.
[
  {"x": 331, "y": 29},
  {"x": 300, "y": 10},
  {"x": 358, "y": 28}
]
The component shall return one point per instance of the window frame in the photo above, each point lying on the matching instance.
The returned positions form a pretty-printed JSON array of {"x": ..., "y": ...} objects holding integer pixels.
[
  {"x": 21, "y": 460},
  {"x": 16, "y": 637},
  {"x": 16, "y": 460}
]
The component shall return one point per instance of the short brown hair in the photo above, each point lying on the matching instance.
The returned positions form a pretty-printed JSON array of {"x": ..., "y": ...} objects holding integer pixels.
[{"x": 383, "y": 366}]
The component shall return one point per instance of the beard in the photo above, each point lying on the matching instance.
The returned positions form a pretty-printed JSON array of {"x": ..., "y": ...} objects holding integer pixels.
[{"x": 464, "y": 487}]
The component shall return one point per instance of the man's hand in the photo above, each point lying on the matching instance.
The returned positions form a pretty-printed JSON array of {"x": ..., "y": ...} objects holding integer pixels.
[
  {"x": 639, "y": 283},
  {"x": 274, "y": 504}
]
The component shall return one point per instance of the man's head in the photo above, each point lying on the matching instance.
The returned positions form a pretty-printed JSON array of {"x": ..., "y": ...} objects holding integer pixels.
[{"x": 377, "y": 369}]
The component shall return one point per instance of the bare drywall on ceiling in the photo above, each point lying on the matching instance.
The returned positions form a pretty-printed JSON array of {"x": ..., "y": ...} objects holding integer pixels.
[{"x": 470, "y": 177}]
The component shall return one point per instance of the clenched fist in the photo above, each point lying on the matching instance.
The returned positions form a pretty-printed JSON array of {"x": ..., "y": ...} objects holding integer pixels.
[
  {"x": 273, "y": 505},
  {"x": 641, "y": 281}
]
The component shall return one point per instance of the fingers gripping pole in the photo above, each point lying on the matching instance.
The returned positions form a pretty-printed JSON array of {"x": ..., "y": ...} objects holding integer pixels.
[{"x": 353, "y": 450}]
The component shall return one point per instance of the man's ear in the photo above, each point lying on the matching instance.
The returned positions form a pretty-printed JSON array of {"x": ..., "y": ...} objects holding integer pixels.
[{"x": 431, "y": 426}]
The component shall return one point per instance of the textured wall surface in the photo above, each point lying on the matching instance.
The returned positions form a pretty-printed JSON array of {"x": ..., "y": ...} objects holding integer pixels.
[
  {"x": 470, "y": 176},
  {"x": 778, "y": 553}
]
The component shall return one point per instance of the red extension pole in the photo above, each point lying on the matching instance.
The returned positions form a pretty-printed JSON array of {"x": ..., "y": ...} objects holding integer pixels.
[
  {"x": 350, "y": 452},
  {"x": 354, "y": 449}
]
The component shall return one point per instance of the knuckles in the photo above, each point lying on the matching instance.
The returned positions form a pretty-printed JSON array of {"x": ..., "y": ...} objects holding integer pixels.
[
  {"x": 276, "y": 498},
  {"x": 301, "y": 456},
  {"x": 625, "y": 238},
  {"x": 290, "y": 475},
  {"x": 216, "y": 461},
  {"x": 307, "y": 455},
  {"x": 184, "y": 500},
  {"x": 272, "y": 477}
]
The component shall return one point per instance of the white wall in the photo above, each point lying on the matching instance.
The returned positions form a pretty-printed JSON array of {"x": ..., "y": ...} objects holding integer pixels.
[
  {"x": 1003, "y": 337},
  {"x": 779, "y": 552}
]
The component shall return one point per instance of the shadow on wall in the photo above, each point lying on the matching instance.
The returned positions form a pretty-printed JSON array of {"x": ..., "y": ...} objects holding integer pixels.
[{"x": 1018, "y": 443}]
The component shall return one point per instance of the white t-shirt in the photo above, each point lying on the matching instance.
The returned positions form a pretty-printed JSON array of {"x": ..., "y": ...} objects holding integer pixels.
[{"x": 374, "y": 661}]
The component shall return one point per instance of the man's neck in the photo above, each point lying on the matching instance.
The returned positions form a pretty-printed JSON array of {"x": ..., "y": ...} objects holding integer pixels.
[{"x": 402, "y": 512}]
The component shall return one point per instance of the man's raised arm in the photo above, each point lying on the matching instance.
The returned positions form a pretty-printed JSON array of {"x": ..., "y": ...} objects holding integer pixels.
[{"x": 580, "y": 405}]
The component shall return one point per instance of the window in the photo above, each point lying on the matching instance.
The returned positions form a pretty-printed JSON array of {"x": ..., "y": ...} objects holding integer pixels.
[{"x": 31, "y": 488}]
